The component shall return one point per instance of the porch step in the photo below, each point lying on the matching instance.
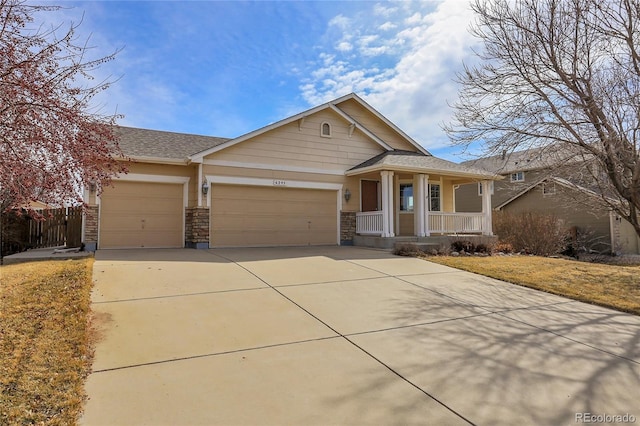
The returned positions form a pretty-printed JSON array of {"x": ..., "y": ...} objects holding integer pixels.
[{"x": 394, "y": 242}]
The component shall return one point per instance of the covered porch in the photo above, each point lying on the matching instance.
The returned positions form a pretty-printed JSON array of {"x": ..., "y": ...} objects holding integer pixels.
[{"x": 412, "y": 196}]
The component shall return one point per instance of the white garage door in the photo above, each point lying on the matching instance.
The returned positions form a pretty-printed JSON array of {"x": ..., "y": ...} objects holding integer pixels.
[
  {"x": 251, "y": 216},
  {"x": 142, "y": 214}
]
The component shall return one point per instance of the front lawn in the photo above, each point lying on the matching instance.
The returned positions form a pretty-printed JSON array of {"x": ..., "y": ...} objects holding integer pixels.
[
  {"x": 616, "y": 287},
  {"x": 45, "y": 350}
]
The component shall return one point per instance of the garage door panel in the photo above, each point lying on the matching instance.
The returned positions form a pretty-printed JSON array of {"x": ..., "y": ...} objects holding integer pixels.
[
  {"x": 142, "y": 214},
  {"x": 266, "y": 216}
]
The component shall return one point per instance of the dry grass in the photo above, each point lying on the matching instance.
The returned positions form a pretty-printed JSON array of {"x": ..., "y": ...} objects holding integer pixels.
[
  {"x": 45, "y": 352},
  {"x": 616, "y": 287}
]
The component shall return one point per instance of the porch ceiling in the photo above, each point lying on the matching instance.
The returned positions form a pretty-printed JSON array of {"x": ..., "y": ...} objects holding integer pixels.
[{"x": 414, "y": 162}]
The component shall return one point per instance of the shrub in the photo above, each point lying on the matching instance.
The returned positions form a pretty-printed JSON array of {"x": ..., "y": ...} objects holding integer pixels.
[
  {"x": 480, "y": 245},
  {"x": 463, "y": 245},
  {"x": 530, "y": 232},
  {"x": 503, "y": 247},
  {"x": 407, "y": 250}
]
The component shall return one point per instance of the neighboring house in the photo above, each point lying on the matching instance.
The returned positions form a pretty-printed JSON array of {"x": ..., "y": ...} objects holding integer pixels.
[
  {"x": 320, "y": 177},
  {"x": 529, "y": 186}
]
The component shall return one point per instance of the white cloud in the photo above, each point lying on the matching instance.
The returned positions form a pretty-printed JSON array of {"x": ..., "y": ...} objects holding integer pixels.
[
  {"x": 344, "y": 46},
  {"x": 420, "y": 58},
  {"x": 387, "y": 26},
  {"x": 340, "y": 21},
  {"x": 381, "y": 10}
]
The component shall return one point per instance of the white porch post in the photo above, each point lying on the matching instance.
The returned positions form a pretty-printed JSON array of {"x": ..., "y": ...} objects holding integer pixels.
[
  {"x": 487, "y": 226},
  {"x": 420, "y": 210},
  {"x": 387, "y": 203}
]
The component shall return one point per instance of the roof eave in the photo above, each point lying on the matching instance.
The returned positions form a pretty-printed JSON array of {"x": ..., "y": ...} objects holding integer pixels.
[
  {"x": 385, "y": 120},
  {"x": 155, "y": 160},
  {"x": 199, "y": 156},
  {"x": 409, "y": 169}
]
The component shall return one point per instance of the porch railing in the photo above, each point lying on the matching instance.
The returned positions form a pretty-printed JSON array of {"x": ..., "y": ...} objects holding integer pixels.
[
  {"x": 369, "y": 223},
  {"x": 455, "y": 223}
]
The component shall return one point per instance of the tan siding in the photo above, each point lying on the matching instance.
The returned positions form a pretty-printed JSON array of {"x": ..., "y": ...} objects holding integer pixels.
[
  {"x": 375, "y": 125},
  {"x": 447, "y": 196},
  {"x": 267, "y": 216},
  {"x": 291, "y": 146},
  {"x": 190, "y": 171},
  {"x": 141, "y": 214},
  {"x": 353, "y": 184},
  {"x": 272, "y": 174}
]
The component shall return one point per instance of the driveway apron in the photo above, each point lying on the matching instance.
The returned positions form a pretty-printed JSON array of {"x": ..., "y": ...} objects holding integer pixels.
[{"x": 345, "y": 335}]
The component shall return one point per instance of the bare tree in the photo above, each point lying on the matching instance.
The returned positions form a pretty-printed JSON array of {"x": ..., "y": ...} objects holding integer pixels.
[
  {"x": 559, "y": 73},
  {"x": 53, "y": 141}
]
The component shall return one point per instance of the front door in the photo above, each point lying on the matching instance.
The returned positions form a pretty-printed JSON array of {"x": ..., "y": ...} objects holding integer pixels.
[{"x": 369, "y": 194}]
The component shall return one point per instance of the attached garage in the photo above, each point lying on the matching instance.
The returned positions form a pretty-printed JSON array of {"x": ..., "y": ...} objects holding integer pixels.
[
  {"x": 142, "y": 214},
  {"x": 244, "y": 215}
]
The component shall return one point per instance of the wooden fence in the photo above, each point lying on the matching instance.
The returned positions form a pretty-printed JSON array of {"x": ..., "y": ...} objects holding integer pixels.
[{"x": 58, "y": 227}]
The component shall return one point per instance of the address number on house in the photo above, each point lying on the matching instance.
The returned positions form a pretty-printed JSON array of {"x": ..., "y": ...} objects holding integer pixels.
[{"x": 277, "y": 182}]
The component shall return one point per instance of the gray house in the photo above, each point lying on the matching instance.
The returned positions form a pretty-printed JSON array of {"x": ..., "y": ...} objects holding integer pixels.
[{"x": 544, "y": 180}]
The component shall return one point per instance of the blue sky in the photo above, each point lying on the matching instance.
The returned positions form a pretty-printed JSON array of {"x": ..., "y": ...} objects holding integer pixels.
[{"x": 224, "y": 68}]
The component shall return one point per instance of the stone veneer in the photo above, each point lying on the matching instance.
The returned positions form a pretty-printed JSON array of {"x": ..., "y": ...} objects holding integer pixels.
[
  {"x": 347, "y": 228},
  {"x": 197, "y": 227},
  {"x": 91, "y": 228}
]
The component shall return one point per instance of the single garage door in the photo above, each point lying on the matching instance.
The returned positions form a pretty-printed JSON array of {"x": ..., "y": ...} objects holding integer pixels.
[
  {"x": 269, "y": 216},
  {"x": 141, "y": 214}
]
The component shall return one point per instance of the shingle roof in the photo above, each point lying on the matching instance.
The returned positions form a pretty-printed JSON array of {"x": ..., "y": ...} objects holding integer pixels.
[
  {"x": 141, "y": 143},
  {"x": 530, "y": 159},
  {"x": 419, "y": 161}
]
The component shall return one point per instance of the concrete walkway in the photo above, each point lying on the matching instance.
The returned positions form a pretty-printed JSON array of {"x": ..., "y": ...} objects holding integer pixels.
[{"x": 345, "y": 336}]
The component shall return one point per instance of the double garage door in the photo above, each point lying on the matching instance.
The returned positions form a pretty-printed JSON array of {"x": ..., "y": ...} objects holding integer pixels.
[
  {"x": 246, "y": 216},
  {"x": 143, "y": 214}
]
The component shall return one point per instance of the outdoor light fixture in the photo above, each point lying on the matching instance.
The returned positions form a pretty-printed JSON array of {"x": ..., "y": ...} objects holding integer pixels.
[
  {"x": 205, "y": 187},
  {"x": 347, "y": 195}
]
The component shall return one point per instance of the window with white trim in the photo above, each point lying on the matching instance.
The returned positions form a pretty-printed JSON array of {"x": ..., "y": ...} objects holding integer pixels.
[
  {"x": 434, "y": 197},
  {"x": 406, "y": 197},
  {"x": 517, "y": 177},
  {"x": 325, "y": 130}
]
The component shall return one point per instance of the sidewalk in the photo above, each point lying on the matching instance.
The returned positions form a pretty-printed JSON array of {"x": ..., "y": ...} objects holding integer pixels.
[{"x": 50, "y": 253}]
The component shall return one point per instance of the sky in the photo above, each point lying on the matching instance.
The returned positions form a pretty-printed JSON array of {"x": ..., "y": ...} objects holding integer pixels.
[{"x": 225, "y": 68}]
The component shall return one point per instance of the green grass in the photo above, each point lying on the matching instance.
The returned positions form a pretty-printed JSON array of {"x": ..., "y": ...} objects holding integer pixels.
[
  {"x": 45, "y": 344},
  {"x": 612, "y": 286}
]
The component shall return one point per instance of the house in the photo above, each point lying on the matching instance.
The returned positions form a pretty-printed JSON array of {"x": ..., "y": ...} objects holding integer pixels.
[
  {"x": 329, "y": 175},
  {"x": 529, "y": 186}
]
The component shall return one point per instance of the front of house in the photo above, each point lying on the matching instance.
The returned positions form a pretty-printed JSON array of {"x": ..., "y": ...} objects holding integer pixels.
[{"x": 321, "y": 177}]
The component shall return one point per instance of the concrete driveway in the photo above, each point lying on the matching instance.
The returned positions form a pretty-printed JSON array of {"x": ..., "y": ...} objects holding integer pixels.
[{"x": 343, "y": 335}]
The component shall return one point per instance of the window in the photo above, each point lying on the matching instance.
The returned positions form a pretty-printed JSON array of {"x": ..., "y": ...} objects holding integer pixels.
[
  {"x": 480, "y": 188},
  {"x": 434, "y": 197},
  {"x": 325, "y": 130},
  {"x": 548, "y": 189},
  {"x": 406, "y": 197},
  {"x": 517, "y": 177}
]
